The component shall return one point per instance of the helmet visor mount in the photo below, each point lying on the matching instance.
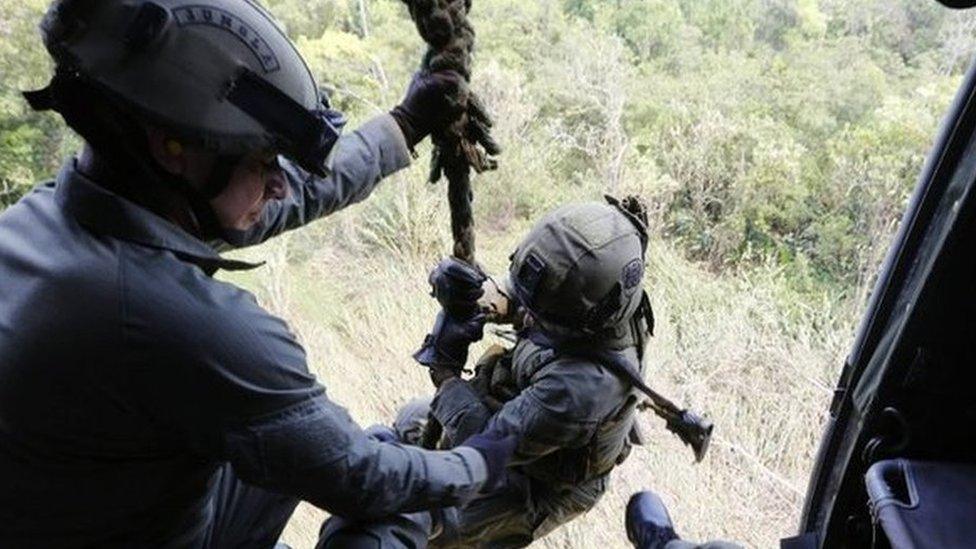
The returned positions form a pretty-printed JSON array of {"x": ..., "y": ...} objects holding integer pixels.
[
  {"x": 305, "y": 136},
  {"x": 220, "y": 72}
]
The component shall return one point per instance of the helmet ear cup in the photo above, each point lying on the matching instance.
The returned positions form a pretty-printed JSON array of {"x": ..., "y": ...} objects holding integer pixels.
[{"x": 598, "y": 316}]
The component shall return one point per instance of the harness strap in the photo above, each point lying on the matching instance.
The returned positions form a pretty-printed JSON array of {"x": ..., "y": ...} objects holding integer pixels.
[{"x": 614, "y": 362}]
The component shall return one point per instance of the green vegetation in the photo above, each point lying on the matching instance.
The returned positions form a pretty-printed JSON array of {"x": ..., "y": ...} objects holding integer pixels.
[
  {"x": 776, "y": 141},
  {"x": 783, "y": 131}
]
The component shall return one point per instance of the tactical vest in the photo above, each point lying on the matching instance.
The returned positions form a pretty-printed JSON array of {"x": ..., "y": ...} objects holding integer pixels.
[{"x": 610, "y": 443}]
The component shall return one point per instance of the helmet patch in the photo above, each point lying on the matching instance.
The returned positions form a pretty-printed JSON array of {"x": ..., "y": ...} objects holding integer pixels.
[
  {"x": 530, "y": 275},
  {"x": 632, "y": 273},
  {"x": 218, "y": 18}
]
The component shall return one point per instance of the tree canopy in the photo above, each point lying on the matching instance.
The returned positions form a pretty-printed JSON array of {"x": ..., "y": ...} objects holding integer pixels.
[{"x": 762, "y": 130}]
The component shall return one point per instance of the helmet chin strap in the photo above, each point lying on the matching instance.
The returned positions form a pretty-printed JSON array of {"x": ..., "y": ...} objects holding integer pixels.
[{"x": 199, "y": 200}]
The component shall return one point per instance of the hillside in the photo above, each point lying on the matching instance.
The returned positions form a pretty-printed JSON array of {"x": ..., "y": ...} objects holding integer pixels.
[{"x": 776, "y": 141}]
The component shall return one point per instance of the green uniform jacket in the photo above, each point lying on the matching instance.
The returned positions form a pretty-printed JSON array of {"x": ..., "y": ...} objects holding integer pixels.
[{"x": 574, "y": 419}]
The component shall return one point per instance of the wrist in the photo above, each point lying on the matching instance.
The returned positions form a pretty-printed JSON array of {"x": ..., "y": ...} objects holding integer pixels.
[
  {"x": 497, "y": 449},
  {"x": 406, "y": 125},
  {"x": 441, "y": 375}
]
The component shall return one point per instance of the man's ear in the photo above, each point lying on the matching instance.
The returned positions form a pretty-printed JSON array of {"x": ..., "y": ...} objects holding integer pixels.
[{"x": 167, "y": 151}]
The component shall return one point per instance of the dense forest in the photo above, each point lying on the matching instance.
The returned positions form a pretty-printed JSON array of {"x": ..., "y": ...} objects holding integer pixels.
[
  {"x": 766, "y": 130},
  {"x": 776, "y": 141}
]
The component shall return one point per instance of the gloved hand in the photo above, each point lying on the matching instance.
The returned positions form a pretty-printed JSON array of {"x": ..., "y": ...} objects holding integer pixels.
[
  {"x": 381, "y": 433},
  {"x": 457, "y": 286},
  {"x": 432, "y": 102},
  {"x": 447, "y": 344},
  {"x": 497, "y": 448}
]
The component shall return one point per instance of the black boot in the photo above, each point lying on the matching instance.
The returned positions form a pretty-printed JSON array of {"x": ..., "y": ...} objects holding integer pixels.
[{"x": 648, "y": 524}]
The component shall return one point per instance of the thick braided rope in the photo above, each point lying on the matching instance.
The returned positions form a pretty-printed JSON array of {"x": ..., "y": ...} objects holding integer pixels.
[
  {"x": 466, "y": 143},
  {"x": 444, "y": 25}
]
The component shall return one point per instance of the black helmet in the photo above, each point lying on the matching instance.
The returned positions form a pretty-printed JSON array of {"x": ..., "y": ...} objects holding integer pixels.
[{"x": 220, "y": 72}]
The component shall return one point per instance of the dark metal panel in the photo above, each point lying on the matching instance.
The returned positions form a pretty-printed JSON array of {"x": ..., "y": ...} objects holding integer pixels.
[
  {"x": 958, "y": 4},
  {"x": 843, "y": 428}
]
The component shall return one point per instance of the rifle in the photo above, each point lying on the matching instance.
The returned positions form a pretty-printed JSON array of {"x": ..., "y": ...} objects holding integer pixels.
[{"x": 693, "y": 429}]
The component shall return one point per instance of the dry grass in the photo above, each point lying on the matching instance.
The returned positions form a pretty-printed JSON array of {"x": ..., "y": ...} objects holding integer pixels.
[{"x": 736, "y": 347}]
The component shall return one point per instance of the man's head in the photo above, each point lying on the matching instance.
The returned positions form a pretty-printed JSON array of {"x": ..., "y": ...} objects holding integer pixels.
[
  {"x": 580, "y": 270},
  {"x": 211, "y": 92},
  {"x": 253, "y": 178}
]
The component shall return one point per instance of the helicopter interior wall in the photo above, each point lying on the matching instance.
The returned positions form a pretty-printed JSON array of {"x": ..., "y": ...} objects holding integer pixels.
[{"x": 924, "y": 408}]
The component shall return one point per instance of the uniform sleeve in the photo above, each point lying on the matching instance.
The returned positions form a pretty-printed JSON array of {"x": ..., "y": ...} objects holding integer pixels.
[
  {"x": 229, "y": 382},
  {"x": 361, "y": 159},
  {"x": 459, "y": 410},
  {"x": 315, "y": 451},
  {"x": 561, "y": 408}
]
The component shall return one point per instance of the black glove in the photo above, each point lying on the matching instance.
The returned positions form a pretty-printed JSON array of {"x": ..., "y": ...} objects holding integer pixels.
[
  {"x": 497, "y": 448},
  {"x": 447, "y": 344},
  {"x": 431, "y": 103},
  {"x": 457, "y": 287},
  {"x": 381, "y": 433}
]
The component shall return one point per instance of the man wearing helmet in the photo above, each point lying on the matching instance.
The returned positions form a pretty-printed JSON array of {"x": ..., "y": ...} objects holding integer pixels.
[
  {"x": 142, "y": 402},
  {"x": 583, "y": 319}
]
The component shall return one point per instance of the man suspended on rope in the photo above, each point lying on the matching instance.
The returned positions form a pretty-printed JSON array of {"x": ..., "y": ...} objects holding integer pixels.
[
  {"x": 578, "y": 299},
  {"x": 142, "y": 402}
]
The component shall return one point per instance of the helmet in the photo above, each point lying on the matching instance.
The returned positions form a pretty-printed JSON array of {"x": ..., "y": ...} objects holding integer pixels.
[
  {"x": 579, "y": 270},
  {"x": 219, "y": 72}
]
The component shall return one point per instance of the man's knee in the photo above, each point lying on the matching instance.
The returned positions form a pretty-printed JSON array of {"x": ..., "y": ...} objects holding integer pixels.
[{"x": 411, "y": 421}]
